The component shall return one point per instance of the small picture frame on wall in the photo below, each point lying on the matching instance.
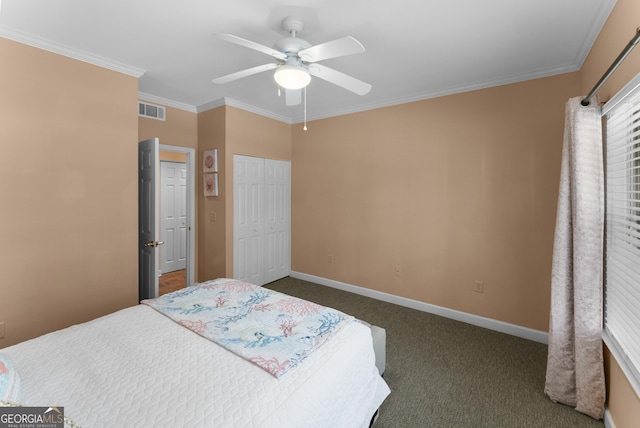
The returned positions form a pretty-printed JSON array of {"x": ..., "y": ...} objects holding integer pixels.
[
  {"x": 211, "y": 184},
  {"x": 210, "y": 161}
]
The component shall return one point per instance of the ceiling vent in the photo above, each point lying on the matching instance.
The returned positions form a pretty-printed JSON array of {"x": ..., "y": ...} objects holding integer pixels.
[{"x": 151, "y": 111}]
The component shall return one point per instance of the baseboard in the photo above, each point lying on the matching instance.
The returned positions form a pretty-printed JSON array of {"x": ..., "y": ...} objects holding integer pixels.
[
  {"x": 608, "y": 422},
  {"x": 491, "y": 324}
]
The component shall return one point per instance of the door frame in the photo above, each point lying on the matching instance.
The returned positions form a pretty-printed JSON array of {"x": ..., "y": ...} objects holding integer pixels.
[
  {"x": 191, "y": 207},
  {"x": 178, "y": 241}
]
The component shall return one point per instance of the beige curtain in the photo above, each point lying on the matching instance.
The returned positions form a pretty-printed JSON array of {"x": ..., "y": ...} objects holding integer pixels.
[{"x": 575, "y": 370}]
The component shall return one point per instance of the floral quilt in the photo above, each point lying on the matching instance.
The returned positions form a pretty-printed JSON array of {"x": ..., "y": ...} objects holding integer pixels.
[{"x": 272, "y": 330}]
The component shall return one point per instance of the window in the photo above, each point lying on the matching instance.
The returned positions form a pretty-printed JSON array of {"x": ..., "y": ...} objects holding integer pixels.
[{"x": 622, "y": 266}]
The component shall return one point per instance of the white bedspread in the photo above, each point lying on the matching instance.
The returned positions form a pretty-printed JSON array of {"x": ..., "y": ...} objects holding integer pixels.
[{"x": 137, "y": 368}]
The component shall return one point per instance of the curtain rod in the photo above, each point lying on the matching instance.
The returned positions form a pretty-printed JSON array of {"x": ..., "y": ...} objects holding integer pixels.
[{"x": 632, "y": 43}]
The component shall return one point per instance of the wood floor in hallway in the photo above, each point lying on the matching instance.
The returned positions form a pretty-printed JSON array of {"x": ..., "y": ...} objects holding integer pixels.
[{"x": 172, "y": 281}]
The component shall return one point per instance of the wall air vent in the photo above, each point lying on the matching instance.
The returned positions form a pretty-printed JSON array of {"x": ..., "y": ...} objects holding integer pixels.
[{"x": 151, "y": 111}]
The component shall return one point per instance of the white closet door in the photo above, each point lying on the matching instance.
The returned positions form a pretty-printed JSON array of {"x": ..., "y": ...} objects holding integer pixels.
[
  {"x": 262, "y": 219},
  {"x": 277, "y": 221},
  {"x": 248, "y": 178}
]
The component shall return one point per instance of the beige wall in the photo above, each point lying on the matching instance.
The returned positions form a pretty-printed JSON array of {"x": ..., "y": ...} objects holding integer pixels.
[
  {"x": 179, "y": 129},
  {"x": 212, "y": 233},
  {"x": 622, "y": 401},
  {"x": 68, "y": 219},
  {"x": 451, "y": 190},
  {"x": 166, "y": 156}
]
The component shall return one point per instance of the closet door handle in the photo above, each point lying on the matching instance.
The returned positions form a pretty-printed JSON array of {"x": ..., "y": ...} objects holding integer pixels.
[{"x": 153, "y": 243}]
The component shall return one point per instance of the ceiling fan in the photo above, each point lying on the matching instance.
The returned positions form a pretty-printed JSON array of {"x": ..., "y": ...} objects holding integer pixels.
[{"x": 297, "y": 61}]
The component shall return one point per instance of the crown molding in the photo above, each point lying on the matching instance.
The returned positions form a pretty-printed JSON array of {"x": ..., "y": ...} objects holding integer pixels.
[
  {"x": 47, "y": 45},
  {"x": 243, "y": 106},
  {"x": 166, "y": 102},
  {"x": 606, "y": 7},
  {"x": 441, "y": 93},
  {"x": 211, "y": 105}
]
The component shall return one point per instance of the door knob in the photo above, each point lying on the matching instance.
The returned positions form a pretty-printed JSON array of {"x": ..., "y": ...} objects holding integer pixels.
[{"x": 153, "y": 243}]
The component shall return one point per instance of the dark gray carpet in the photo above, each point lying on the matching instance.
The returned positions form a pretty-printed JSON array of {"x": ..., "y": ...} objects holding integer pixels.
[{"x": 445, "y": 373}]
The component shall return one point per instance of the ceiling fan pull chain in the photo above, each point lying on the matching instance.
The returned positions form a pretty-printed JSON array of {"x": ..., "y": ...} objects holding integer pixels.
[{"x": 305, "y": 109}]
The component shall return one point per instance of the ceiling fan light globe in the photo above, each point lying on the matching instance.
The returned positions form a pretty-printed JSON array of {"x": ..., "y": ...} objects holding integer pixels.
[{"x": 292, "y": 76}]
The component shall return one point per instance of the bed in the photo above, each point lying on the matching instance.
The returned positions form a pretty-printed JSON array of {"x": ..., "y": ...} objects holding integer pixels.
[{"x": 139, "y": 367}]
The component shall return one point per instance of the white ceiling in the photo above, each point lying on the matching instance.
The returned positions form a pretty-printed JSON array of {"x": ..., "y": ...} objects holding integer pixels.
[{"x": 415, "y": 49}]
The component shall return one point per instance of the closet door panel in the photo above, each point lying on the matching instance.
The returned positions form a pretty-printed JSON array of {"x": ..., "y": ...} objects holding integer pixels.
[
  {"x": 248, "y": 219},
  {"x": 277, "y": 219},
  {"x": 262, "y": 219}
]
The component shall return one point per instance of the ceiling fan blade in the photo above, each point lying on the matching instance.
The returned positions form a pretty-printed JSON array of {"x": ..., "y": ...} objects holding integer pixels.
[
  {"x": 336, "y": 48},
  {"x": 293, "y": 97},
  {"x": 337, "y": 78},
  {"x": 251, "y": 45},
  {"x": 244, "y": 73}
]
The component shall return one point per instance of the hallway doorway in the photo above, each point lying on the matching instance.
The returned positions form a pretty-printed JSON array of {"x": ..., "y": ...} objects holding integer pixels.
[{"x": 184, "y": 276}]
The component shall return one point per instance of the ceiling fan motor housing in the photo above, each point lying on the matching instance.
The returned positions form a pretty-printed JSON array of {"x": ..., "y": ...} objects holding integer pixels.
[{"x": 291, "y": 45}]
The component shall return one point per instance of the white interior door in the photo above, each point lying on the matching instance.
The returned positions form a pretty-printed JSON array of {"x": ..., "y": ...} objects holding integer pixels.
[
  {"x": 248, "y": 176},
  {"x": 190, "y": 207},
  {"x": 148, "y": 218},
  {"x": 173, "y": 216},
  {"x": 262, "y": 219},
  {"x": 277, "y": 219}
]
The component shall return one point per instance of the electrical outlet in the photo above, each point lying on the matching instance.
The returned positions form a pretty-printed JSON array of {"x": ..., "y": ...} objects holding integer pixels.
[
  {"x": 213, "y": 216},
  {"x": 330, "y": 258},
  {"x": 2, "y": 330},
  {"x": 398, "y": 271},
  {"x": 479, "y": 287}
]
